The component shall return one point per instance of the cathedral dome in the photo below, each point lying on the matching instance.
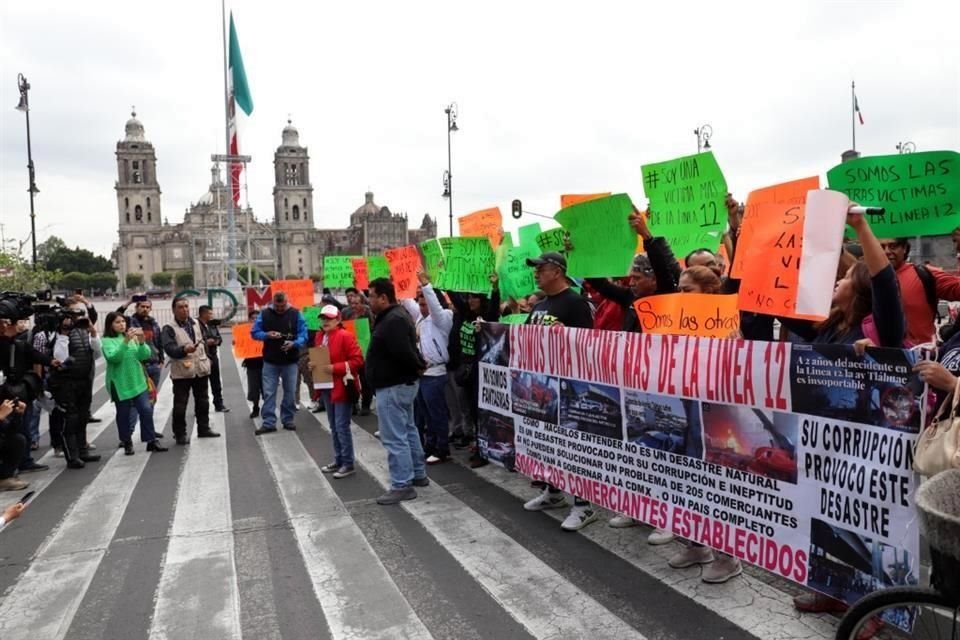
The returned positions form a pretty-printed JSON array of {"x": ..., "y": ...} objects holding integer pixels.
[
  {"x": 134, "y": 129},
  {"x": 368, "y": 208},
  {"x": 291, "y": 137}
]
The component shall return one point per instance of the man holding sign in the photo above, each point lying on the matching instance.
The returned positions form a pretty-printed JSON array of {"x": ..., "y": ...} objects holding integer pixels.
[{"x": 283, "y": 332}]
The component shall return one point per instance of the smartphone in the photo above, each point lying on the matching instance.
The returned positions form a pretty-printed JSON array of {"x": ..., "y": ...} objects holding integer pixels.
[{"x": 25, "y": 499}]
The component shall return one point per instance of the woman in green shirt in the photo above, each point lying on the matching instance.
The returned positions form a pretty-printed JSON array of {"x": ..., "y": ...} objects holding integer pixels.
[{"x": 125, "y": 350}]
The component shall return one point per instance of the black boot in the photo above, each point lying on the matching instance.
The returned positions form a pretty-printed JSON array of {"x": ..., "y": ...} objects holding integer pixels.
[{"x": 71, "y": 452}]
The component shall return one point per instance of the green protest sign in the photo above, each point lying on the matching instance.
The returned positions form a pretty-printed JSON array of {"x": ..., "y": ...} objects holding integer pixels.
[
  {"x": 552, "y": 240},
  {"x": 515, "y": 318},
  {"x": 516, "y": 278},
  {"x": 312, "y": 317},
  {"x": 467, "y": 265},
  {"x": 920, "y": 192},
  {"x": 603, "y": 242},
  {"x": 361, "y": 329},
  {"x": 378, "y": 267},
  {"x": 528, "y": 235},
  {"x": 432, "y": 257},
  {"x": 501, "y": 253},
  {"x": 337, "y": 272},
  {"x": 687, "y": 201}
]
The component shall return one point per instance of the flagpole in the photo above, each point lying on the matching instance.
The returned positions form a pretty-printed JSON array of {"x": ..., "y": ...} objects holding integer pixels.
[
  {"x": 232, "y": 281},
  {"x": 853, "y": 113}
]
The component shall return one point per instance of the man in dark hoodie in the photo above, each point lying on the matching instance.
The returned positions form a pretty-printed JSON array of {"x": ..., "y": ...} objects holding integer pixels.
[{"x": 394, "y": 366}]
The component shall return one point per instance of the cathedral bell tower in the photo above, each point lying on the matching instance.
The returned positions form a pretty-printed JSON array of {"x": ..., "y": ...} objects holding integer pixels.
[{"x": 292, "y": 192}]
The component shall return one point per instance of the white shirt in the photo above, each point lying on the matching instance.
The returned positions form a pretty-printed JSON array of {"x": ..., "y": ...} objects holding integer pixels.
[
  {"x": 433, "y": 331},
  {"x": 61, "y": 347}
]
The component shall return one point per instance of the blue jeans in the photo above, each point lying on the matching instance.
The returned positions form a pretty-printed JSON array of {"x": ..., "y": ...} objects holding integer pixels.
[
  {"x": 338, "y": 413},
  {"x": 399, "y": 434},
  {"x": 25, "y": 421},
  {"x": 153, "y": 370},
  {"x": 433, "y": 406},
  {"x": 274, "y": 374},
  {"x": 139, "y": 405},
  {"x": 35, "y": 423}
]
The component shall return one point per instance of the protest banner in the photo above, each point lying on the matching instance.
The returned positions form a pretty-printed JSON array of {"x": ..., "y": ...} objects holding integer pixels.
[
  {"x": 787, "y": 456},
  {"x": 486, "y": 222},
  {"x": 299, "y": 292},
  {"x": 311, "y": 315},
  {"x": 689, "y": 314},
  {"x": 338, "y": 272},
  {"x": 516, "y": 278},
  {"x": 361, "y": 273},
  {"x": 244, "y": 346},
  {"x": 552, "y": 240},
  {"x": 570, "y": 199},
  {"x": 919, "y": 191},
  {"x": 468, "y": 264},
  {"x": 603, "y": 242},
  {"x": 360, "y": 328},
  {"x": 793, "y": 192},
  {"x": 404, "y": 263},
  {"x": 432, "y": 257},
  {"x": 378, "y": 267},
  {"x": 687, "y": 201}
]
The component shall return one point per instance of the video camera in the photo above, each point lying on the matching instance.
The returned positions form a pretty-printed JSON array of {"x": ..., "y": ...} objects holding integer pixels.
[
  {"x": 16, "y": 305},
  {"x": 49, "y": 311}
]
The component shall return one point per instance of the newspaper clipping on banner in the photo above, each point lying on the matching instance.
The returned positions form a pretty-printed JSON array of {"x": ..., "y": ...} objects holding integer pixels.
[{"x": 795, "y": 458}]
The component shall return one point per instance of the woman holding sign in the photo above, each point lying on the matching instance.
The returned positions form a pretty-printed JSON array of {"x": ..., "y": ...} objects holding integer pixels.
[{"x": 345, "y": 359}]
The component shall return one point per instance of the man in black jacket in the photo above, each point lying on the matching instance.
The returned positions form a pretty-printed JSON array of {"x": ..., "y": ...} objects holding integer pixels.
[
  {"x": 212, "y": 341},
  {"x": 394, "y": 366}
]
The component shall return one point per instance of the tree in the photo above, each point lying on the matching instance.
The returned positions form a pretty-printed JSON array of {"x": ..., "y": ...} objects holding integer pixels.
[
  {"x": 161, "y": 279},
  {"x": 184, "y": 279},
  {"x": 102, "y": 281},
  {"x": 57, "y": 256},
  {"x": 74, "y": 280},
  {"x": 16, "y": 274},
  {"x": 134, "y": 281},
  {"x": 49, "y": 247}
]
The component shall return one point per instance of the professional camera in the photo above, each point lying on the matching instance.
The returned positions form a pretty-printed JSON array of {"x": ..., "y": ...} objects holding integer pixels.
[
  {"x": 27, "y": 389},
  {"x": 16, "y": 305}
]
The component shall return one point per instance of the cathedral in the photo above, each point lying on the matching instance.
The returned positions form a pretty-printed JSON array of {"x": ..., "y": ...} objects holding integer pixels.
[{"x": 290, "y": 246}]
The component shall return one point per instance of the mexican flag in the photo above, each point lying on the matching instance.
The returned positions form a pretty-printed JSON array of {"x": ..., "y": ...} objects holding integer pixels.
[{"x": 239, "y": 91}]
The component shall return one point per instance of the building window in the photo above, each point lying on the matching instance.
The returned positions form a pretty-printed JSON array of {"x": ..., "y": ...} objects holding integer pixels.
[
  {"x": 126, "y": 203},
  {"x": 126, "y": 170},
  {"x": 304, "y": 203},
  {"x": 149, "y": 216},
  {"x": 148, "y": 203},
  {"x": 145, "y": 179},
  {"x": 296, "y": 212},
  {"x": 140, "y": 267},
  {"x": 128, "y": 216},
  {"x": 139, "y": 256},
  {"x": 286, "y": 215},
  {"x": 138, "y": 213},
  {"x": 286, "y": 203},
  {"x": 300, "y": 260},
  {"x": 299, "y": 251},
  {"x": 291, "y": 174},
  {"x": 301, "y": 179}
]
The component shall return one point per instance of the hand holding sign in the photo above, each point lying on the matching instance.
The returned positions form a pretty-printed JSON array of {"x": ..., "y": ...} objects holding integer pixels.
[{"x": 404, "y": 262}]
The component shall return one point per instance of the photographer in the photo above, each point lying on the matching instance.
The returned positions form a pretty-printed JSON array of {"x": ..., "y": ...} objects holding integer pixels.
[
  {"x": 77, "y": 346},
  {"x": 141, "y": 319}
]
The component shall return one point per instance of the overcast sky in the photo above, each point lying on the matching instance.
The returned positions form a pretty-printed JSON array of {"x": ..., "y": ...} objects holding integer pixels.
[{"x": 554, "y": 97}]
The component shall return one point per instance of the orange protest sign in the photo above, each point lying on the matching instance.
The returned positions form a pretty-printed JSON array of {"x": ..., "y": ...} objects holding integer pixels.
[
  {"x": 299, "y": 292},
  {"x": 244, "y": 346},
  {"x": 794, "y": 192},
  {"x": 570, "y": 199},
  {"x": 706, "y": 315},
  {"x": 361, "y": 273},
  {"x": 404, "y": 262},
  {"x": 485, "y": 223}
]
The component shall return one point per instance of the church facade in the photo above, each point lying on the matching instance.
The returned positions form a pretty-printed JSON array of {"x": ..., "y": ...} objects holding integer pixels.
[{"x": 288, "y": 246}]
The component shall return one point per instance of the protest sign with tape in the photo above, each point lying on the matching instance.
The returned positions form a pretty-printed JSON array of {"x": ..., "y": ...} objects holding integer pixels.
[
  {"x": 603, "y": 242},
  {"x": 404, "y": 263},
  {"x": 338, "y": 272}
]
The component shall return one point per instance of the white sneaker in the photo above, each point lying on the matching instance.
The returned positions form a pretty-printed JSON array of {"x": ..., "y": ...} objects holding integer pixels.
[
  {"x": 333, "y": 467},
  {"x": 376, "y": 434},
  {"x": 580, "y": 516},
  {"x": 690, "y": 556},
  {"x": 343, "y": 472},
  {"x": 622, "y": 522},
  {"x": 546, "y": 500},
  {"x": 723, "y": 568},
  {"x": 659, "y": 536}
]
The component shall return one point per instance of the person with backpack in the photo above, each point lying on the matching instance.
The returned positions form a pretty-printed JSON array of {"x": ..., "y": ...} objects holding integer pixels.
[{"x": 921, "y": 288}]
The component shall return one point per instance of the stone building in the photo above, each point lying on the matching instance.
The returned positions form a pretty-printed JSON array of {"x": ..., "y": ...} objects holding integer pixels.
[{"x": 290, "y": 245}]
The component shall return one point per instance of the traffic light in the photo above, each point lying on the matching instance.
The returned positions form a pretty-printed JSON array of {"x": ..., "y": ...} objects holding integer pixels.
[{"x": 517, "y": 209}]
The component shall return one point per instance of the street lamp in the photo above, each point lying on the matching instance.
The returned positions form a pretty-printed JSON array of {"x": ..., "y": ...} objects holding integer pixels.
[
  {"x": 451, "y": 112},
  {"x": 24, "y": 105},
  {"x": 906, "y": 147},
  {"x": 704, "y": 132}
]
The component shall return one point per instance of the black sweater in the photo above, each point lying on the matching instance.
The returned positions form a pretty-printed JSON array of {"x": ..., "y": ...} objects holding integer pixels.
[{"x": 393, "y": 357}]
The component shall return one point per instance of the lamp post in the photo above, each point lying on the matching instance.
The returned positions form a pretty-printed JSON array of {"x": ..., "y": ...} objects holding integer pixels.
[
  {"x": 24, "y": 105},
  {"x": 704, "y": 132},
  {"x": 906, "y": 147},
  {"x": 451, "y": 111}
]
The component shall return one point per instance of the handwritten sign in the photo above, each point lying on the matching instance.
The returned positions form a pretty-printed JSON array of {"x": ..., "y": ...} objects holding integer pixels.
[
  {"x": 311, "y": 315},
  {"x": 378, "y": 267},
  {"x": 361, "y": 273},
  {"x": 487, "y": 222},
  {"x": 920, "y": 191},
  {"x": 603, "y": 242},
  {"x": 689, "y": 314},
  {"x": 467, "y": 265},
  {"x": 432, "y": 257},
  {"x": 244, "y": 346},
  {"x": 404, "y": 262},
  {"x": 360, "y": 328},
  {"x": 552, "y": 240},
  {"x": 687, "y": 201},
  {"x": 500, "y": 254},
  {"x": 337, "y": 272},
  {"x": 516, "y": 278},
  {"x": 772, "y": 261},
  {"x": 570, "y": 199},
  {"x": 793, "y": 192},
  {"x": 299, "y": 292}
]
